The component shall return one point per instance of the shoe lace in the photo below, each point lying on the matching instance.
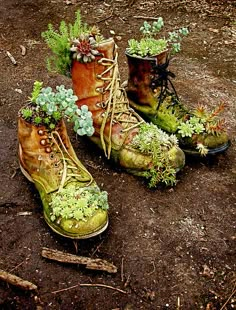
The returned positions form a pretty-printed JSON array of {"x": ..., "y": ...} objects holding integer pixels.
[
  {"x": 162, "y": 79},
  {"x": 71, "y": 170},
  {"x": 117, "y": 105}
]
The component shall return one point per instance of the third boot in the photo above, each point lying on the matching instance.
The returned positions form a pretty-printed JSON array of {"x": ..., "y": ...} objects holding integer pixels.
[{"x": 153, "y": 96}]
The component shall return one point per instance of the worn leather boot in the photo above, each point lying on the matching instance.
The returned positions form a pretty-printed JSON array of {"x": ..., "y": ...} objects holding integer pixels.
[
  {"x": 73, "y": 205},
  {"x": 118, "y": 128},
  {"x": 153, "y": 96}
]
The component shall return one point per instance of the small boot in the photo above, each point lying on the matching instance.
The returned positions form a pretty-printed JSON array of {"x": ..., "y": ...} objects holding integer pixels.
[
  {"x": 73, "y": 205},
  {"x": 153, "y": 96},
  {"x": 140, "y": 148}
]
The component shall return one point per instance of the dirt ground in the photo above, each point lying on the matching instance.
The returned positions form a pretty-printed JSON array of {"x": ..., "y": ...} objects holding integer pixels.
[{"x": 174, "y": 247}]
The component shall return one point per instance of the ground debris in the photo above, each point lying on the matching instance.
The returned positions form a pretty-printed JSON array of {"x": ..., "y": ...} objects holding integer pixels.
[
  {"x": 23, "y": 50},
  {"x": 91, "y": 263},
  {"x": 14, "y": 280},
  {"x": 11, "y": 58}
]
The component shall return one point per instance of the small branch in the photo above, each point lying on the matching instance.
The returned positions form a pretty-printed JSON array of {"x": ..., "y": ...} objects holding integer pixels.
[
  {"x": 105, "y": 18},
  {"x": 11, "y": 58},
  {"x": 178, "y": 303},
  {"x": 103, "y": 285},
  {"x": 14, "y": 280},
  {"x": 23, "y": 50},
  {"x": 65, "y": 289},
  {"x": 146, "y": 17},
  {"x": 231, "y": 295},
  {"x": 90, "y": 285},
  {"x": 122, "y": 269},
  {"x": 90, "y": 263}
]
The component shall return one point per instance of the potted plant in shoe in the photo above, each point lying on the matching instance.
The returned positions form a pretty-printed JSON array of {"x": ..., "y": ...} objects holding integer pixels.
[
  {"x": 153, "y": 95},
  {"x": 92, "y": 62},
  {"x": 73, "y": 204}
]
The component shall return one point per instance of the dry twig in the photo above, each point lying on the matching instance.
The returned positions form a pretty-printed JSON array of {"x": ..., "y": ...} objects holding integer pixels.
[
  {"x": 90, "y": 263},
  {"x": 146, "y": 17},
  {"x": 105, "y": 18},
  {"x": 11, "y": 58},
  {"x": 178, "y": 303},
  {"x": 122, "y": 269},
  {"x": 90, "y": 285},
  {"x": 231, "y": 295},
  {"x": 14, "y": 280},
  {"x": 23, "y": 50}
]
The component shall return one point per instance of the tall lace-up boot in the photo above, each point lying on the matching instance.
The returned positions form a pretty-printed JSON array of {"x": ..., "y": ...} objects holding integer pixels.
[
  {"x": 73, "y": 205},
  {"x": 153, "y": 96},
  {"x": 140, "y": 148}
]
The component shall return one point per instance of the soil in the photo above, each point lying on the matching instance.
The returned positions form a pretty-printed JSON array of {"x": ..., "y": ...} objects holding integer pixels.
[{"x": 174, "y": 247}]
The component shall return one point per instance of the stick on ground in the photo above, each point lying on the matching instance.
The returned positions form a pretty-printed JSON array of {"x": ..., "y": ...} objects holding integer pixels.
[
  {"x": 14, "y": 280},
  {"x": 90, "y": 263},
  {"x": 90, "y": 285}
]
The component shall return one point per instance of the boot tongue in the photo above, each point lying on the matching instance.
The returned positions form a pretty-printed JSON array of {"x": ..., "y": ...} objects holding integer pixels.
[{"x": 107, "y": 48}]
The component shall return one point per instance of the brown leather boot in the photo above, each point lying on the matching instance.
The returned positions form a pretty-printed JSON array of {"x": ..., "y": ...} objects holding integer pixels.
[
  {"x": 118, "y": 129},
  {"x": 153, "y": 96},
  {"x": 73, "y": 205}
]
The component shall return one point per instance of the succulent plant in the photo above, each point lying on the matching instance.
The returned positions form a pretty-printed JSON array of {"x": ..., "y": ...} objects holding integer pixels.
[
  {"x": 47, "y": 107},
  {"x": 84, "y": 48},
  {"x": 77, "y": 203},
  {"x": 150, "y": 45},
  {"x": 152, "y": 140}
]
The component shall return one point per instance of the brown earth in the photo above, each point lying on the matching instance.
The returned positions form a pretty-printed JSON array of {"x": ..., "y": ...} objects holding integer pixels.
[{"x": 174, "y": 247}]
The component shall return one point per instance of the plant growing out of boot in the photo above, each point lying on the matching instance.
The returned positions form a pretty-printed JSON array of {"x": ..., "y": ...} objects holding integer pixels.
[
  {"x": 73, "y": 204},
  {"x": 152, "y": 94},
  {"x": 121, "y": 133},
  {"x": 151, "y": 45}
]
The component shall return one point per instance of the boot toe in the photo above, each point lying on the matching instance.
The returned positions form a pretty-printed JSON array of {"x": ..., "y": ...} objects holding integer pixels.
[
  {"x": 74, "y": 229},
  {"x": 177, "y": 158}
]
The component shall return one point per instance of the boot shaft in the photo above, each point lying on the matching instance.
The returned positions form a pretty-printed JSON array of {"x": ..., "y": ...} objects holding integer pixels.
[
  {"x": 88, "y": 78},
  {"x": 97, "y": 85},
  {"x": 142, "y": 79}
]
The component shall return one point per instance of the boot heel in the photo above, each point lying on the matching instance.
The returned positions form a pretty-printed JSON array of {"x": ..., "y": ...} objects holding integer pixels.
[{"x": 26, "y": 174}]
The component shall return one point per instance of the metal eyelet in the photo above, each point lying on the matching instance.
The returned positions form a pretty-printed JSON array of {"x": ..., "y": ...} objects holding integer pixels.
[
  {"x": 40, "y": 132},
  {"x": 48, "y": 149},
  {"x": 51, "y": 156},
  {"x": 43, "y": 142}
]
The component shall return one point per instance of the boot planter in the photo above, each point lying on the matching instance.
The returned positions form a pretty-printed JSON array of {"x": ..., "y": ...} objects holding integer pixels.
[
  {"x": 140, "y": 148},
  {"x": 150, "y": 94},
  {"x": 153, "y": 96},
  {"x": 73, "y": 205}
]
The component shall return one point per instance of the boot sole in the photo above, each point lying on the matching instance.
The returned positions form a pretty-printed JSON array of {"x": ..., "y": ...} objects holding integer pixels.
[
  {"x": 71, "y": 236},
  {"x": 93, "y": 234},
  {"x": 214, "y": 151}
]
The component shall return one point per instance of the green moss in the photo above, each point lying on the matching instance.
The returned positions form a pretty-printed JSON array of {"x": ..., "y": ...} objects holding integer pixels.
[
  {"x": 155, "y": 142},
  {"x": 77, "y": 203}
]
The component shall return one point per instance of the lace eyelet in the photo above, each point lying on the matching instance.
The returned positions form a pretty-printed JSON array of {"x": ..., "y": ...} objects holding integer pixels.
[
  {"x": 51, "y": 156},
  {"x": 40, "y": 132},
  {"x": 43, "y": 142},
  {"x": 48, "y": 149}
]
